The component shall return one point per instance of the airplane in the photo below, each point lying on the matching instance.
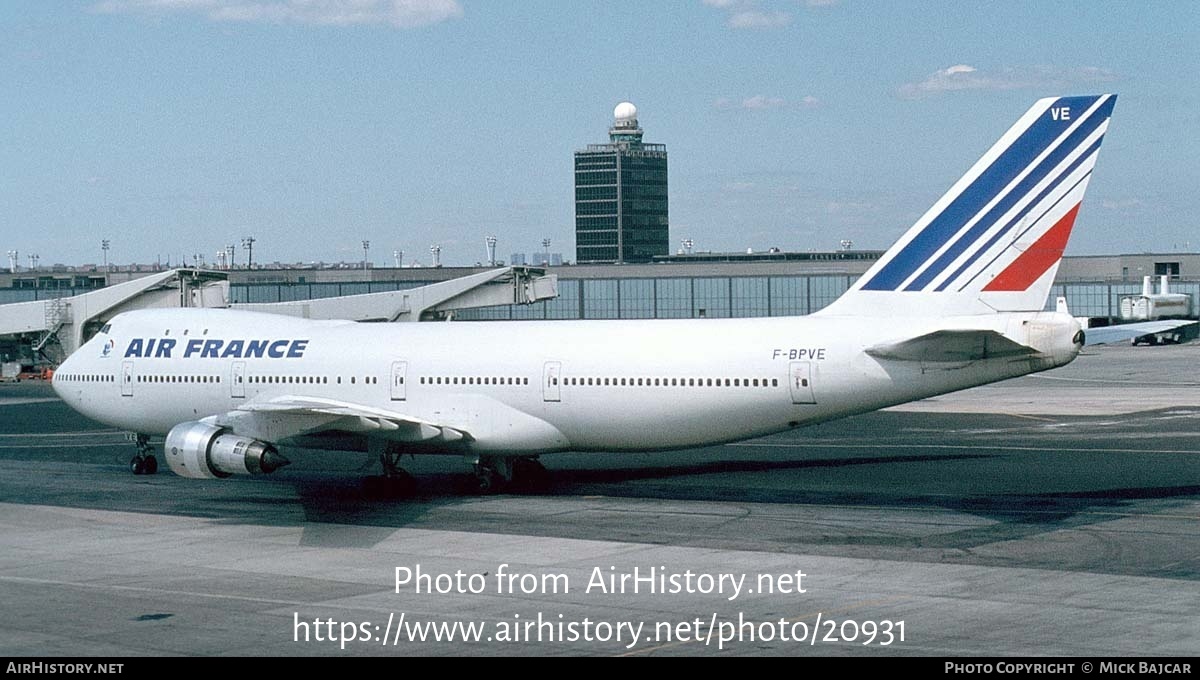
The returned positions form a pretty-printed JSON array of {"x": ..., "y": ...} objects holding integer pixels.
[{"x": 957, "y": 302}]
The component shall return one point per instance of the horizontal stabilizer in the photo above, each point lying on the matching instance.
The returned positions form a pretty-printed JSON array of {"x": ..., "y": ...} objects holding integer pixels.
[
  {"x": 1129, "y": 331},
  {"x": 951, "y": 345}
]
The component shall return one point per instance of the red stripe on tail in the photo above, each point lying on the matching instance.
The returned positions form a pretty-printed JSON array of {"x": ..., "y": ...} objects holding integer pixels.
[{"x": 1041, "y": 256}]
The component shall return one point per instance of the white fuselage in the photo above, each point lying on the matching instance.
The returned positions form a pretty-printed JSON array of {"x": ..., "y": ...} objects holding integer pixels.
[{"x": 534, "y": 387}]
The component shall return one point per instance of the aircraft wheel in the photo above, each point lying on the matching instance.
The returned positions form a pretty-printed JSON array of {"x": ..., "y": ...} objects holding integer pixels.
[
  {"x": 137, "y": 465},
  {"x": 149, "y": 465},
  {"x": 486, "y": 480}
]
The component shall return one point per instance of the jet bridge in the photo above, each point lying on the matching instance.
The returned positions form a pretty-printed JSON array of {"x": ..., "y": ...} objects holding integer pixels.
[
  {"x": 504, "y": 286},
  {"x": 56, "y": 327}
]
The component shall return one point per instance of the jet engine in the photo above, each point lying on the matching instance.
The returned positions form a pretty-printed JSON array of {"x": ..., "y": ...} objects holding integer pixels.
[{"x": 202, "y": 451}]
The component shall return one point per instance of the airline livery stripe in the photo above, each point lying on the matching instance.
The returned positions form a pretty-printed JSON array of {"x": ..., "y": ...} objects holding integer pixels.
[
  {"x": 1035, "y": 203},
  {"x": 1026, "y": 185},
  {"x": 1040, "y": 257},
  {"x": 1029, "y": 145},
  {"x": 1016, "y": 237}
]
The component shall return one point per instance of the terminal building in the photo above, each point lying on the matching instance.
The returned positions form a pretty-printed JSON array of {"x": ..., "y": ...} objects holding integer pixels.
[
  {"x": 696, "y": 285},
  {"x": 621, "y": 196}
]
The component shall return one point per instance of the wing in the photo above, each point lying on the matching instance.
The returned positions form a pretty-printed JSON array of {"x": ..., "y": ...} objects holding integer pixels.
[
  {"x": 1129, "y": 331},
  {"x": 287, "y": 417},
  {"x": 951, "y": 345}
]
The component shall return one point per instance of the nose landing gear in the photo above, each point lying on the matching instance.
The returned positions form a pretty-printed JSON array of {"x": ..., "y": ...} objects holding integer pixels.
[{"x": 144, "y": 463}]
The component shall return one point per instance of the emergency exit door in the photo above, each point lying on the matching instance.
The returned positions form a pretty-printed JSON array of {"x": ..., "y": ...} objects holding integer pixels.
[
  {"x": 127, "y": 379},
  {"x": 237, "y": 380},
  {"x": 399, "y": 371},
  {"x": 800, "y": 382},
  {"x": 551, "y": 377}
]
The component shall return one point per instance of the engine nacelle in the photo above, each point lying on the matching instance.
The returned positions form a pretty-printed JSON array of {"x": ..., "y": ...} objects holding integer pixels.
[{"x": 202, "y": 451}]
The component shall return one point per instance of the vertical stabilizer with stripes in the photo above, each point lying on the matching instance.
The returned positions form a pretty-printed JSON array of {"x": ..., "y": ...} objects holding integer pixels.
[{"x": 993, "y": 242}]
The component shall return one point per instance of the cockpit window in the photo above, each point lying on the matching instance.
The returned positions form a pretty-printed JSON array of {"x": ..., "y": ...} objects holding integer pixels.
[{"x": 104, "y": 330}]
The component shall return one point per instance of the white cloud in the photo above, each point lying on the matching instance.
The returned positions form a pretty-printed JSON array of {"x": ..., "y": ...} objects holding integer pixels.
[
  {"x": 761, "y": 102},
  {"x": 758, "y": 19},
  {"x": 398, "y": 13},
  {"x": 1122, "y": 205},
  {"x": 749, "y": 14},
  {"x": 965, "y": 77}
]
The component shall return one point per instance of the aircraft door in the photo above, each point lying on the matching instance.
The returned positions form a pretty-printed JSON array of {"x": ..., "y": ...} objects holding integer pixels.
[
  {"x": 551, "y": 376},
  {"x": 800, "y": 382},
  {"x": 237, "y": 380},
  {"x": 399, "y": 391},
  {"x": 126, "y": 378}
]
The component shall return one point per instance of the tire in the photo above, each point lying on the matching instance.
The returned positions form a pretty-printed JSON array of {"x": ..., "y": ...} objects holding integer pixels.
[
  {"x": 150, "y": 466},
  {"x": 137, "y": 465}
]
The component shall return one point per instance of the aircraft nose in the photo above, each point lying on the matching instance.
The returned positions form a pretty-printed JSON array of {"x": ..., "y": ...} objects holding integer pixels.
[{"x": 57, "y": 381}]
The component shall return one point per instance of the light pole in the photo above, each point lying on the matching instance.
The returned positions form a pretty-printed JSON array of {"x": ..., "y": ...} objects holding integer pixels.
[
  {"x": 491, "y": 249},
  {"x": 546, "y": 251},
  {"x": 13, "y": 258},
  {"x": 104, "y": 243},
  {"x": 230, "y": 250},
  {"x": 366, "y": 249},
  {"x": 436, "y": 251},
  {"x": 399, "y": 257},
  {"x": 248, "y": 244},
  {"x": 33, "y": 261}
]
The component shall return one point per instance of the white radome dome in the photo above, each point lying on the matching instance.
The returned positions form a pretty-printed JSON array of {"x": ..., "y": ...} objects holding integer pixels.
[{"x": 625, "y": 111}]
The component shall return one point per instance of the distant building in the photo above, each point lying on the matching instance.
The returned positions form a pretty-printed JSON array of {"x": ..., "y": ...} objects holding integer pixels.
[
  {"x": 621, "y": 196},
  {"x": 537, "y": 259},
  {"x": 552, "y": 259}
]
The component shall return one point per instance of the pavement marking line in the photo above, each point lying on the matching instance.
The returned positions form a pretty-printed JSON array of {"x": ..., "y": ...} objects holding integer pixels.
[
  {"x": 21, "y": 401},
  {"x": 98, "y": 445},
  {"x": 794, "y": 619},
  {"x": 765, "y": 445},
  {"x": 169, "y": 591},
  {"x": 1131, "y": 383},
  {"x": 1025, "y": 415},
  {"x": 47, "y": 435}
]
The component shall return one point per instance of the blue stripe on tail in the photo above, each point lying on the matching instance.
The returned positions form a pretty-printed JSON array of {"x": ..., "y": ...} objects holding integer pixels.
[
  {"x": 1020, "y": 191},
  {"x": 1029, "y": 145}
]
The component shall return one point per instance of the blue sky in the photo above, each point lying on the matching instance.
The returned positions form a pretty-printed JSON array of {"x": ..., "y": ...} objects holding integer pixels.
[{"x": 173, "y": 127}]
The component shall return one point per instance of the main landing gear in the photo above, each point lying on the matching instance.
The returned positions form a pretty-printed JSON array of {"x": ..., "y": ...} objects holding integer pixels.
[
  {"x": 395, "y": 482},
  {"x": 144, "y": 463},
  {"x": 494, "y": 474}
]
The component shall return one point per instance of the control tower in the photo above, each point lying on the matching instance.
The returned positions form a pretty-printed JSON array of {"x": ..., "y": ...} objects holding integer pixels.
[{"x": 621, "y": 195}]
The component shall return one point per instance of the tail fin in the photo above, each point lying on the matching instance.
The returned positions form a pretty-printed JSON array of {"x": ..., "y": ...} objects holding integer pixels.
[{"x": 993, "y": 242}]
